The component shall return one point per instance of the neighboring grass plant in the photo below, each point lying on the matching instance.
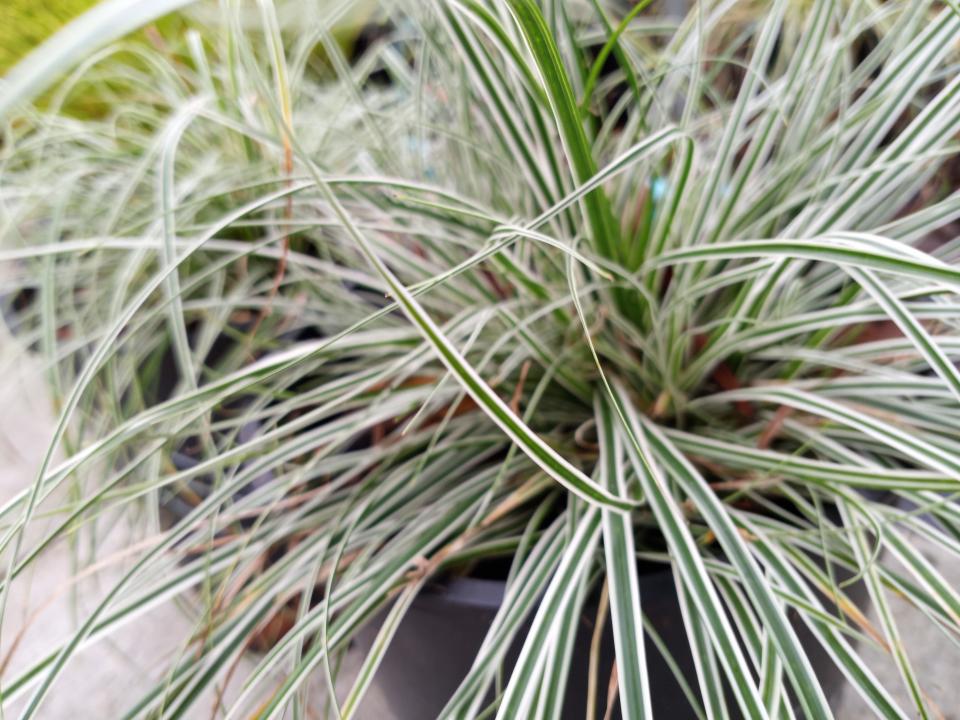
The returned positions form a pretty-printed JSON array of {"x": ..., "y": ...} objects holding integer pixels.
[
  {"x": 25, "y": 24},
  {"x": 559, "y": 283}
]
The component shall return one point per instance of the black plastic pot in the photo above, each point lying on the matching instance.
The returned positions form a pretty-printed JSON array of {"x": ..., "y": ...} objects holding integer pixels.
[
  {"x": 174, "y": 502},
  {"x": 438, "y": 639}
]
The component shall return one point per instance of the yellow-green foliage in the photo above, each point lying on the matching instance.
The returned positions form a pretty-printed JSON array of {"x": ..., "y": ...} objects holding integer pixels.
[{"x": 26, "y": 23}]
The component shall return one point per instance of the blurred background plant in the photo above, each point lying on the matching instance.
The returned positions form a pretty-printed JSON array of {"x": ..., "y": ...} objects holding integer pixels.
[{"x": 25, "y": 24}]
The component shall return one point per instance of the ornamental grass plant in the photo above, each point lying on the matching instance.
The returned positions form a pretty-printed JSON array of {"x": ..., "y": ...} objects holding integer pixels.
[{"x": 568, "y": 285}]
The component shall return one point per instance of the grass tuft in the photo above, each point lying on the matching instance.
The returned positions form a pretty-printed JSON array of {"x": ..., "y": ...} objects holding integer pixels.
[{"x": 332, "y": 311}]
